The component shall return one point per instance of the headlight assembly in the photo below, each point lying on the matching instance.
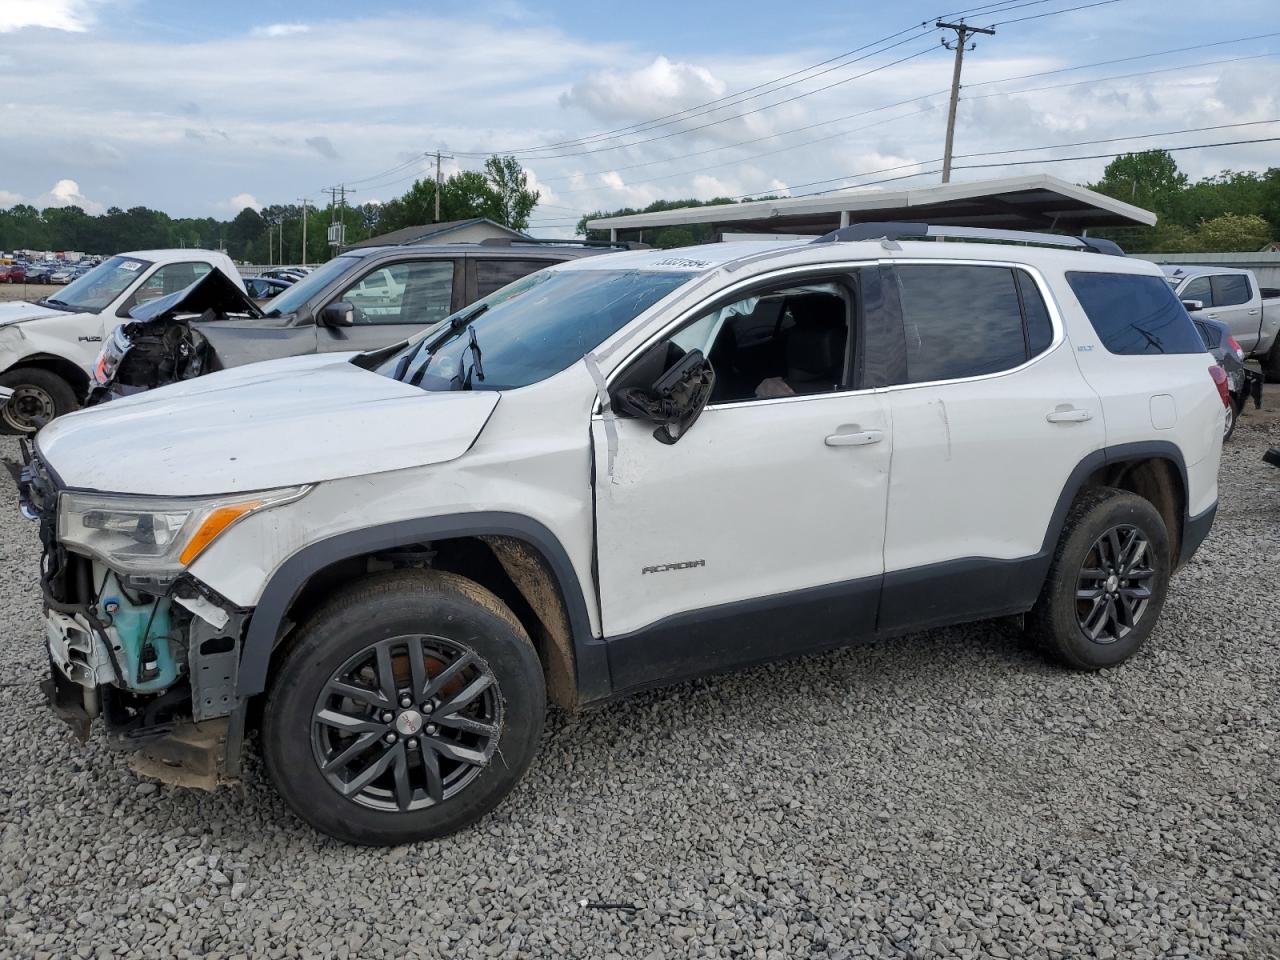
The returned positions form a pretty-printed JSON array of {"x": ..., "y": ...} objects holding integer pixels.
[
  {"x": 157, "y": 536},
  {"x": 109, "y": 357}
]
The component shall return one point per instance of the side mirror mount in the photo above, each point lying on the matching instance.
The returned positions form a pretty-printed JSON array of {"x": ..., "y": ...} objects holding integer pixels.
[
  {"x": 675, "y": 400},
  {"x": 1193, "y": 305},
  {"x": 338, "y": 314}
]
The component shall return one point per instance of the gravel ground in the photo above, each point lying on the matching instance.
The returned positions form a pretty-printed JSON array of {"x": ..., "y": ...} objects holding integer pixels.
[{"x": 947, "y": 794}]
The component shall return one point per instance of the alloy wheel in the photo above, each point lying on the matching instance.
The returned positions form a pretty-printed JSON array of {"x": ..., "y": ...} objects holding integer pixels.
[
  {"x": 1113, "y": 589},
  {"x": 406, "y": 723},
  {"x": 28, "y": 408}
]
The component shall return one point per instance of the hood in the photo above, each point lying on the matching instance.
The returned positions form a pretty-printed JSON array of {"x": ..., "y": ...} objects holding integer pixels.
[
  {"x": 19, "y": 311},
  {"x": 214, "y": 291},
  {"x": 273, "y": 424}
]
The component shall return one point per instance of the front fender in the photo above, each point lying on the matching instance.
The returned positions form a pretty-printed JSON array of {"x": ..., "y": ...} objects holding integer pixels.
[{"x": 291, "y": 576}]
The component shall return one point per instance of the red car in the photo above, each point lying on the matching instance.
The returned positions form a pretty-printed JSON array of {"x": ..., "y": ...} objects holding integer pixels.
[{"x": 13, "y": 273}]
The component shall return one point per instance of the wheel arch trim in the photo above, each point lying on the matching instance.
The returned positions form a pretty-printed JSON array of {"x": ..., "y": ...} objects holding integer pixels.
[
  {"x": 1112, "y": 456},
  {"x": 285, "y": 585}
]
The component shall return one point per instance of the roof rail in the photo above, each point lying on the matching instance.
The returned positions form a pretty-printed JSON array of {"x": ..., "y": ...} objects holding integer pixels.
[
  {"x": 894, "y": 230},
  {"x": 552, "y": 241}
]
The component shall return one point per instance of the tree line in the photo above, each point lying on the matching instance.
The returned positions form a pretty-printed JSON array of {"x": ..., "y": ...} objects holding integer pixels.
[
  {"x": 274, "y": 234},
  {"x": 1232, "y": 211}
]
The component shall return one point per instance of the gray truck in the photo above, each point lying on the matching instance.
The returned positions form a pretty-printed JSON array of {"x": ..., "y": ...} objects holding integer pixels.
[{"x": 1232, "y": 296}]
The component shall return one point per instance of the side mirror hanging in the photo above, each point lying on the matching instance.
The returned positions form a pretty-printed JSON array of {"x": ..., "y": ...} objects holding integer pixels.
[{"x": 676, "y": 399}]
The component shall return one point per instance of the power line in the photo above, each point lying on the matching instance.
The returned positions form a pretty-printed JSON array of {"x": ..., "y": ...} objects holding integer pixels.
[
  {"x": 899, "y": 103},
  {"x": 1054, "y": 13},
  {"x": 1005, "y": 5},
  {"x": 736, "y": 116}
]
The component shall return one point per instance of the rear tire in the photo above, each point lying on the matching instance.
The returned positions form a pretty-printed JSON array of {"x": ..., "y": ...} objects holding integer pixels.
[
  {"x": 1107, "y": 581},
  {"x": 353, "y": 665},
  {"x": 38, "y": 396},
  {"x": 1233, "y": 409}
]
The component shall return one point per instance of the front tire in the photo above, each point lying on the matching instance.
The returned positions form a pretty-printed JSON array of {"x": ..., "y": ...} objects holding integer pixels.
[
  {"x": 38, "y": 396},
  {"x": 406, "y": 709},
  {"x": 1107, "y": 581}
]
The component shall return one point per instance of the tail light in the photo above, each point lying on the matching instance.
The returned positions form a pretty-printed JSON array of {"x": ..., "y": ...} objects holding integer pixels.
[
  {"x": 1220, "y": 379},
  {"x": 1235, "y": 347}
]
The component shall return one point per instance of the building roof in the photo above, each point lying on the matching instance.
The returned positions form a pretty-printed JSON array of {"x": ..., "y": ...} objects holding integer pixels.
[
  {"x": 431, "y": 233},
  {"x": 1036, "y": 202}
]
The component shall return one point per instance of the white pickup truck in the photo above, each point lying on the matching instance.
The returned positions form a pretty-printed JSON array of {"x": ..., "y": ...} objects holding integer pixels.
[
  {"x": 48, "y": 348},
  {"x": 1232, "y": 296}
]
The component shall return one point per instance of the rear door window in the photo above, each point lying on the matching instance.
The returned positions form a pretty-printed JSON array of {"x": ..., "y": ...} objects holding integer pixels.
[
  {"x": 1134, "y": 314},
  {"x": 966, "y": 321},
  {"x": 1230, "y": 289},
  {"x": 493, "y": 275}
]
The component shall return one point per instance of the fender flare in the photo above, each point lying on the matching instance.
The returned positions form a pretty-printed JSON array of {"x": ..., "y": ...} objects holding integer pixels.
[
  {"x": 1105, "y": 457},
  {"x": 590, "y": 663}
]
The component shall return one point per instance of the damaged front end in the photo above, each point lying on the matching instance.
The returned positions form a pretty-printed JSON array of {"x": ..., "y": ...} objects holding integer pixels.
[
  {"x": 153, "y": 656},
  {"x": 159, "y": 345}
]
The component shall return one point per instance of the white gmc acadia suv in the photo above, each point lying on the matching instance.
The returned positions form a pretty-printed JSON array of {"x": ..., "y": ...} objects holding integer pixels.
[{"x": 618, "y": 472}]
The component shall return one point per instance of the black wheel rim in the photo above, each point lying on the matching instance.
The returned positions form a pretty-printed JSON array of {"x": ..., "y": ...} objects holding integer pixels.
[
  {"x": 29, "y": 407},
  {"x": 1113, "y": 589},
  {"x": 406, "y": 723}
]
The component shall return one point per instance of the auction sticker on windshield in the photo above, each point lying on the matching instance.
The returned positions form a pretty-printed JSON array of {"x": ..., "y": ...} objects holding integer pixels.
[{"x": 129, "y": 265}]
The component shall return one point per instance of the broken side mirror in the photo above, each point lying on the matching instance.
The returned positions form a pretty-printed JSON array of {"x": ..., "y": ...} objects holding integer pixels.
[
  {"x": 675, "y": 400},
  {"x": 339, "y": 314},
  {"x": 1193, "y": 305}
]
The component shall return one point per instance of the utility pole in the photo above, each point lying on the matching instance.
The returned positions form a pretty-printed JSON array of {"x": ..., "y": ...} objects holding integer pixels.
[
  {"x": 439, "y": 181},
  {"x": 337, "y": 226},
  {"x": 304, "y": 230},
  {"x": 963, "y": 32}
]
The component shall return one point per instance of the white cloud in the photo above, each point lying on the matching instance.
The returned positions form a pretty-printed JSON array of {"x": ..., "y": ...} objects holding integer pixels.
[
  {"x": 242, "y": 200},
  {"x": 281, "y": 30},
  {"x": 66, "y": 193},
  {"x": 75, "y": 16},
  {"x": 8, "y": 199},
  {"x": 660, "y": 87}
]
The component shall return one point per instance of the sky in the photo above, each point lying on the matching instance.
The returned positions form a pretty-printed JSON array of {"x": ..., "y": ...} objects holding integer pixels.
[{"x": 202, "y": 109}]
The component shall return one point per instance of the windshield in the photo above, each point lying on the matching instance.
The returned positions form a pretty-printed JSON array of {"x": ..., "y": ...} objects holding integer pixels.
[
  {"x": 98, "y": 288},
  {"x": 530, "y": 329},
  {"x": 315, "y": 281}
]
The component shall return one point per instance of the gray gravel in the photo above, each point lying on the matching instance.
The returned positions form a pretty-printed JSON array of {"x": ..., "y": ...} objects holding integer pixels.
[{"x": 948, "y": 794}]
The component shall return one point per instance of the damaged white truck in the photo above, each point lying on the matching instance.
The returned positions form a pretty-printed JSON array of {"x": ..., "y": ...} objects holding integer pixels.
[
  {"x": 48, "y": 349},
  {"x": 616, "y": 473}
]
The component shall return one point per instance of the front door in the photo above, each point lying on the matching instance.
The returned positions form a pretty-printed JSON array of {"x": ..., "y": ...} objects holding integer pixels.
[
  {"x": 393, "y": 302},
  {"x": 760, "y": 532}
]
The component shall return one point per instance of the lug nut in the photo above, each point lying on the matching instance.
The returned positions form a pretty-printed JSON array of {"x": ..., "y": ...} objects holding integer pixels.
[
  {"x": 413, "y": 743},
  {"x": 406, "y": 702},
  {"x": 388, "y": 716},
  {"x": 390, "y": 738},
  {"x": 428, "y": 706},
  {"x": 432, "y": 729}
]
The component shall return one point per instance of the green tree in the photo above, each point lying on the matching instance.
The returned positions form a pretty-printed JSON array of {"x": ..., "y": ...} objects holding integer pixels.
[
  {"x": 512, "y": 200},
  {"x": 1233, "y": 233}
]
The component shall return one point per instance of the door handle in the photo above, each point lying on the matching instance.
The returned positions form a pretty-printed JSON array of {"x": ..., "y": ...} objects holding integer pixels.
[
  {"x": 1253, "y": 313},
  {"x": 1070, "y": 415},
  {"x": 859, "y": 439}
]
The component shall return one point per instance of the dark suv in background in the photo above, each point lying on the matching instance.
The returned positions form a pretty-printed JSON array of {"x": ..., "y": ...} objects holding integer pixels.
[{"x": 375, "y": 296}]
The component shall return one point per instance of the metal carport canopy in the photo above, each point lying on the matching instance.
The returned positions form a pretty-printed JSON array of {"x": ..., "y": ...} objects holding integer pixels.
[{"x": 1037, "y": 202}]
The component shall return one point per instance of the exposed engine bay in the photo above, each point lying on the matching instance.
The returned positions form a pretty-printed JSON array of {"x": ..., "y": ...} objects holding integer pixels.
[
  {"x": 155, "y": 659},
  {"x": 159, "y": 344}
]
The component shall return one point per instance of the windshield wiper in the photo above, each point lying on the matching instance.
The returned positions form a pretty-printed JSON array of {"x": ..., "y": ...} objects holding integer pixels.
[{"x": 477, "y": 368}]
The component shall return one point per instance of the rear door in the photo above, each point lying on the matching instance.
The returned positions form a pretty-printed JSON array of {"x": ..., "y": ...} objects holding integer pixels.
[
  {"x": 990, "y": 417},
  {"x": 393, "y": 301}
]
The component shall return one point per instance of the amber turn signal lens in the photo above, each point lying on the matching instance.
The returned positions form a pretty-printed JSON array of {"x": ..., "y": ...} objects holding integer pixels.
[{"x": 213, "y": 525}]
